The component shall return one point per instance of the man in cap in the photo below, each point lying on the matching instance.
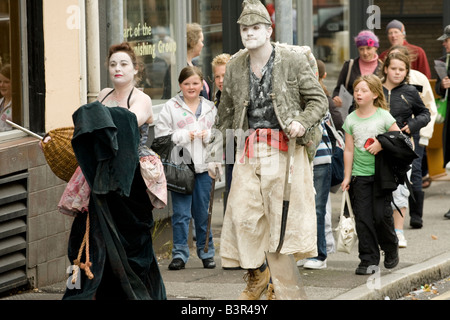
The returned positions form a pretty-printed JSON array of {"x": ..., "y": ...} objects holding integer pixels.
[
  {"x": 397, "y": 37},
  {"x": 271, "y": 95},
  {"x": 442, "y": 86}
]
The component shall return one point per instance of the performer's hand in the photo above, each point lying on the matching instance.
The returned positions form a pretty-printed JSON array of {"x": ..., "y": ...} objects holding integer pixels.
[
  {"x": 296, "y": 130},
  {"x": 212, "y": 169}
]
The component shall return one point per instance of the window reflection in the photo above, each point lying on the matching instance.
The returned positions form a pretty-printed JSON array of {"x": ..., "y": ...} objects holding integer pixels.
[
  {"x": 147, "y": 28},
  {"x": 5, "y": 68}
]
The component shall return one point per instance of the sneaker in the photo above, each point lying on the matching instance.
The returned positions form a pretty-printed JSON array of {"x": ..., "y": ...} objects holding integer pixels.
[
  {"x": 257, "y": 282},
  {"x": 315, "y": 264},
  {"x": 301, "y": 263},
  {"x": 366, "y": 270},
  {"x": 391, "y": 259},
  {"x": 402, "y": 243}
]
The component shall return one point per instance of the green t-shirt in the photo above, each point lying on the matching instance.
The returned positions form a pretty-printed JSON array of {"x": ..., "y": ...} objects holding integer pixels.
[{"x": 362, "y": 129}]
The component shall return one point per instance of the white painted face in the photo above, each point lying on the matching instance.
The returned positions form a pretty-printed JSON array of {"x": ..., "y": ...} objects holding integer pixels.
[
  {"x": 121, "y": 69},
  {"x": 255, "y": 36}
]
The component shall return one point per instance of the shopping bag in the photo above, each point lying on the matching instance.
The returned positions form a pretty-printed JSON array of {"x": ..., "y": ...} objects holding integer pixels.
[{"x": 346, "y": 229}]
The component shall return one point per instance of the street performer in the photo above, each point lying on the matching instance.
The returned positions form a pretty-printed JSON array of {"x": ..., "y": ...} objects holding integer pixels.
[{"x": 272, "y": 95}]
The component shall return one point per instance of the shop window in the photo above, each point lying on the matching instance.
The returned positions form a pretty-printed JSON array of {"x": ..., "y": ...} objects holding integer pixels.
[
  {"x": 10, "y": 70},
  {"x": 147, "y": 27},
  {"x": 330, "y": 31},
  {"x": 208, "y": 13}
]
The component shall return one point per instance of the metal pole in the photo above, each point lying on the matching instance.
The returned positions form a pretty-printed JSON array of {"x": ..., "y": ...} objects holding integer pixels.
[
  {"x": 305, "y": 23},
  {"x": 115, "y": 21},
  {"x": 283, "y": 21}
]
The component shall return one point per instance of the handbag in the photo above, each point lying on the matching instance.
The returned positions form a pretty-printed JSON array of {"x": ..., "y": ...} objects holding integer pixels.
[
  {"x": 337, "y": 154},
  {"x": 346, "y": 229},
  {"x": 178, "y": 167}
]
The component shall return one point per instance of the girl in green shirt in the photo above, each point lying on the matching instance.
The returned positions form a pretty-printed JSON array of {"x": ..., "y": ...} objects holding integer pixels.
[{"x": 373, "y": 213}]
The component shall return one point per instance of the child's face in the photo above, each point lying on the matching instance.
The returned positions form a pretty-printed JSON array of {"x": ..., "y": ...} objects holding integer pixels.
[
  {"x": 219, "y": 74},
  {"x": 191, "y": 87},
  {"x": 396, "y": 72},
  {"x": 362, "y": 94}
]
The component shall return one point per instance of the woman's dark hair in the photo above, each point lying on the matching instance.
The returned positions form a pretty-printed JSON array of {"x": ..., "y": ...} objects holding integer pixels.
[{"x": 123, "y": 47}]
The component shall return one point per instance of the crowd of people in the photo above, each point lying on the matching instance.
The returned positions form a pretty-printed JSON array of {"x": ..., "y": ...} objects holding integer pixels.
[{"x": 264, "y": 96}]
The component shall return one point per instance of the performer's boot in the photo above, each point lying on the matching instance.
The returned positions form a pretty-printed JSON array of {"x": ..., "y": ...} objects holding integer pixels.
[{"x": 257, "y": 281}]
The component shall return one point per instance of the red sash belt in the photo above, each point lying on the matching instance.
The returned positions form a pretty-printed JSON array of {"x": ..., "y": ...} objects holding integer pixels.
[{"x": 274, "y": 138}]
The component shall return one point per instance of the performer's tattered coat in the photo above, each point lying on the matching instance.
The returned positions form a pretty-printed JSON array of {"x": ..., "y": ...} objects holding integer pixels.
[{"x": 252, "y": 219}]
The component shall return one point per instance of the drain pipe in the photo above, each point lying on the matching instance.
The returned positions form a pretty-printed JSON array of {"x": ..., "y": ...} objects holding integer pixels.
[
  {"x": 83, "y": 55},
  {"x": 93, "y": 49}
]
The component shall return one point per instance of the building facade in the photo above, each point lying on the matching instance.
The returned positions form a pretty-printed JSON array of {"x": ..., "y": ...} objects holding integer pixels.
[{"x": 56, "y": 51}]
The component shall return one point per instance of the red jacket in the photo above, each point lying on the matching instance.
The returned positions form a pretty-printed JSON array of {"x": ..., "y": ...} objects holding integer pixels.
[{"x": 421, "y": 61}]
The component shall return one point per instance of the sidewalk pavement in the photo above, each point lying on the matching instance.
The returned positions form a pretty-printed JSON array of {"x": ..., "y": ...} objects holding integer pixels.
[{"x": 426, "y": 259}]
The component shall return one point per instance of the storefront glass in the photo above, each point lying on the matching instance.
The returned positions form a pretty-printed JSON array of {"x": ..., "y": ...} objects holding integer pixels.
[
  {"x": 331, "y": 34},
  {"x": 5, "y": 67},
  {"x": 148, "y": 28},
  {"x": 208, "y": 13},
  {"x": 10, "y": 65}
]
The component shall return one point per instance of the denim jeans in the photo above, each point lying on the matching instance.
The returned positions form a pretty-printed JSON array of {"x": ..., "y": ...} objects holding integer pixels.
[
  {"x": 193, "y": 206},
  {"x": 322, "y": 184}
]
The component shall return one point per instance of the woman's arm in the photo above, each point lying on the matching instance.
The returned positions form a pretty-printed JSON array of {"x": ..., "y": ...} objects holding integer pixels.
[{"x": 141, "y": 106}]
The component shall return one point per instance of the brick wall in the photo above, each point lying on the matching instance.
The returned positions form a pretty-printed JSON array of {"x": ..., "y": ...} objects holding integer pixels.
[
  {"x": 47, "y": 229},
  {"x": 423, "y": 24}
]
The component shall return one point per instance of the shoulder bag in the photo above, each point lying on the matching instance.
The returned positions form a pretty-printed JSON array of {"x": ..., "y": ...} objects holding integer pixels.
[{"x": 178, "y": 166}]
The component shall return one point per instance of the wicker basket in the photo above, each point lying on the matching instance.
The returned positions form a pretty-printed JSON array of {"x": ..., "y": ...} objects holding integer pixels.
[{"x": 59, "y": 153}]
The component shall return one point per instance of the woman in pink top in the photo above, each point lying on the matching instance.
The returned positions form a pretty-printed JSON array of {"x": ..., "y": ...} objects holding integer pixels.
[{"x": 367, "y": 63}]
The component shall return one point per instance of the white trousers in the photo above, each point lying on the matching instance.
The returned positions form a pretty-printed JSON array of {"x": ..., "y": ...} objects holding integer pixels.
[{"x": 252, "y": 219}]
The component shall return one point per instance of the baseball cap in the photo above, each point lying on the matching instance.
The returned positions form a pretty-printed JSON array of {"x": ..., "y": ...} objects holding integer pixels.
[{"x": 446, "y": 33}]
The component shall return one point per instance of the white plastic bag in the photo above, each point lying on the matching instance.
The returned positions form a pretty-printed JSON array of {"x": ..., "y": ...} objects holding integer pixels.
[{"x": 346, "y": 229}]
